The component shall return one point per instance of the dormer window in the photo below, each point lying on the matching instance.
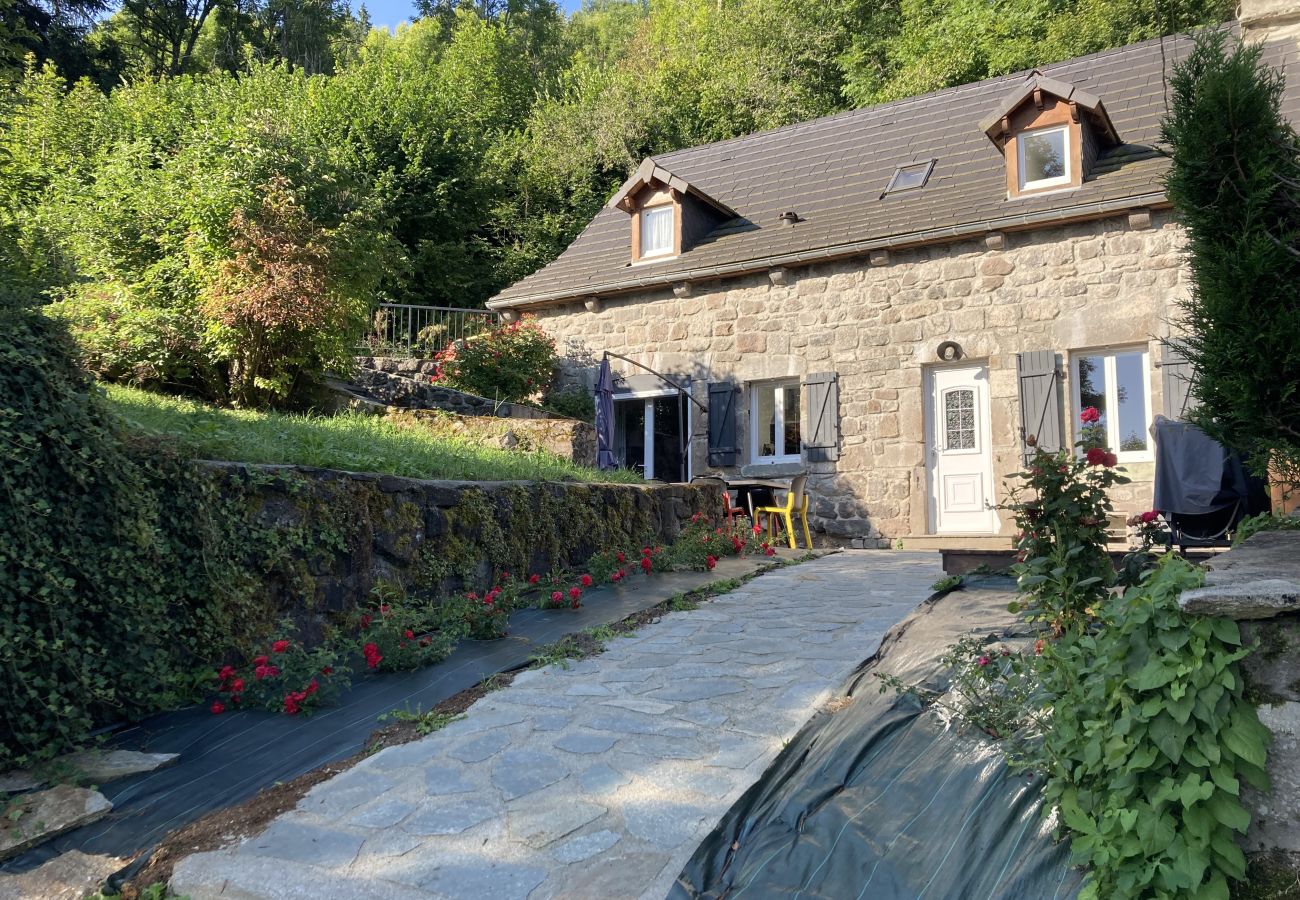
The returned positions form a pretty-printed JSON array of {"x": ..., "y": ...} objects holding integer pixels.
[
  {"x": 657, "y": 231},
  {"x": 668, "y": 214},
  {"x": 1050, "y": 133},
  {"x": 1043, "y": 158}
]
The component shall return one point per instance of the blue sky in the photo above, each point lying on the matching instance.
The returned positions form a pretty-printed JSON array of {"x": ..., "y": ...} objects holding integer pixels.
[{"x": 389, "y": 13}]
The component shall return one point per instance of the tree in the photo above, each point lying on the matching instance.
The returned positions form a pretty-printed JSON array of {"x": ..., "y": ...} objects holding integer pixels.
[
  {"x": 909, "y": 47},
  {"x": 168, "y": 30},
  {"x": 1235, "y": 182}
]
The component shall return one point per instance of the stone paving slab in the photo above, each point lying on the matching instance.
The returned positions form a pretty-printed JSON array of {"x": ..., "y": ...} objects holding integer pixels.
[{"x": 637, "y": 762}]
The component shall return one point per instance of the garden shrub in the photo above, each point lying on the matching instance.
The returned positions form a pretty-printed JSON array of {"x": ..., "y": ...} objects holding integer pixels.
[
  {"x": 285, "y": 677},
  {"x": 105, "y": 596},
  {"x": 510, "y": 363},
  {"x": 1149, "y": 740},
  {"x": 399, "y": 634},
  {"x": 1237, "y": 194}
]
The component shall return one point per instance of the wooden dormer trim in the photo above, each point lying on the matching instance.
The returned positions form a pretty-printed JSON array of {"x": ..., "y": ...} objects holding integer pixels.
[
  {"x": 1030, "y": 118},
  {"x": 650, "y": 197}
]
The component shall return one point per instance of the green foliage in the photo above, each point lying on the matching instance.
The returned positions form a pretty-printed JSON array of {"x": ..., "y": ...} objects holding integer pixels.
[
  {"x": 284, "y": 677},
  {"x": 109, "y": 584},
  {"x": 1253, "y": 525},
  {"x": 1150, "y": 739},
  {"x": 407, "y": 634},
  {"x": 1061, "y": 504},
  {"x": 1235, "y": 192},
  {"x": 354, "y": 442},
  {"x": 910, "y": 47},
  {"x": 425, "y": 723},
  {"x": 509, "y": 362},
  {"x": 573, "y": 404}
]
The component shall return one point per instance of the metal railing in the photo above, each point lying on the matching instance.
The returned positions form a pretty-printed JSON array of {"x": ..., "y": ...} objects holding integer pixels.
[{"x": 405, "y": 329}]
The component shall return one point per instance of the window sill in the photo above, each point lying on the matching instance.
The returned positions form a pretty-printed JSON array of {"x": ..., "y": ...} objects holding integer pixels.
[
  {"x": 773, "y": 468},
  {"x": 659, "y": 257}
]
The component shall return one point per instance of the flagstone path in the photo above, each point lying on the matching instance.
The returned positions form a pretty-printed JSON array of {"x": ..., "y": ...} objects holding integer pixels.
[{"x": 598, "y": 780}]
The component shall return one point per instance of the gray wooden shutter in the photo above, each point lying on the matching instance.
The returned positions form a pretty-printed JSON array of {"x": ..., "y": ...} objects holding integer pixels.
[
  {"x": 1176, "y": 377},
  {"x": 722, "y": 423},
  {"x": 1040, "y": 401},
  {"x": 822, "y": 400}
]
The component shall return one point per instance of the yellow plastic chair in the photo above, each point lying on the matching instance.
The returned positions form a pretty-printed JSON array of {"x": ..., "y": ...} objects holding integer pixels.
[{"x": 796, "y": 503}]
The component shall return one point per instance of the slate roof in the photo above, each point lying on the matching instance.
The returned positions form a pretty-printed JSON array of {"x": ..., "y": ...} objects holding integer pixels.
[{"x": 832, "y": 171}]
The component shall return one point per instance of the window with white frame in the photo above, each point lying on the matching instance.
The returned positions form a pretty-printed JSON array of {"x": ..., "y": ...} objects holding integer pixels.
[
  {"x": 1115, "y": 384},
  {"x": 656, "y": 231},
  {"x": 774, "y": 422},
  {"x": 1043, "y": 157}
]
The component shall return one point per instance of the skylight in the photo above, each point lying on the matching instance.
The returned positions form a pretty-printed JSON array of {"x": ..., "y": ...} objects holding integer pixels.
[{"x": 910, "y": 177}]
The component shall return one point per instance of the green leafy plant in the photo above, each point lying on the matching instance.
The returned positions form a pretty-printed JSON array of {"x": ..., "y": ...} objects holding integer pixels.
[
  {"x": 287, "y": 678},
  {"x": 574, "y": 404},
  {"x": 1061, "y": 504},
  {"x": 399, "y": 635},
  {"x": 1253, "y": 525},
  {"x": 509, "y": 362},
  {"x": 425, "y": 723},
  {"x": 1150, "y": 739}
]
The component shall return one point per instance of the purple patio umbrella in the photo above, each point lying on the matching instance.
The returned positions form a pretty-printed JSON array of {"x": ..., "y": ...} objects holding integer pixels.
[{"x": 605, "y": 417}]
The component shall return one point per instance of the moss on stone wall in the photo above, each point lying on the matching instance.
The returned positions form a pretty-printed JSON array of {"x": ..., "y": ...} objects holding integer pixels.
[{"x": 315, "y": 542}]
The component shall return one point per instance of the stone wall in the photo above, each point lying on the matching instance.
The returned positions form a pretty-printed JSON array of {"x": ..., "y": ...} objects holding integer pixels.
[
  {"x": 566, "y": 438},
  {"x": 339, "y": 534},
  {"x": 406, "y": 383},
  {"x": 877, "y": 324}
]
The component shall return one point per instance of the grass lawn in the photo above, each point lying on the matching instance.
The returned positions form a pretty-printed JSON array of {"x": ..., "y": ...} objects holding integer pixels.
[{"x": 355, "y": 442}]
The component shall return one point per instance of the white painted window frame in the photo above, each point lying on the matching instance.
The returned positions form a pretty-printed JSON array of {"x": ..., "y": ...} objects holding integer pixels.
[
  {"x": 778, "y": 389},
  {"x": 1108, "y": 355},
  {"x": 645, "y": 215},
  {"x": 1058, "y": 181}
]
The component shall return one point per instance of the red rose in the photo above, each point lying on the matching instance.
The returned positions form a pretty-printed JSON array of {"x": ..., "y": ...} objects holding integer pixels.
[
  {"x": 710, "y": 562},
  {"x": 280, "y": 647},
  {"x": 408, "y": 634},
  {"x": 1110, "y": 460},
  {"x": 328, "y": 670},
  {"x": 533, "y": 579},
  {"x": 261, "y": 660},
  {"x": 1096, "y": 456},
  {"x": 312, "y": 687},
  {"x": 226, "y": 672},
  {"x": 557, "y": 597},
  {"x": 620, "y": 557},
  {"x": 984, "y": 660},
  {"x": 586, "y": 580},
  {"x": 1090, "y": 415},
  {"x": 293, "y": 702},
  {"x": 1149, "y": 516},
  {"x": 575, "y": 593},
  {"x": 769, "y": 552},
  {"x": 261, "y": 672},
  {"x": 646, "y": 565},
  {"x": 218, "y": 708},
  {"x": 758, "y": 529},
  {"x": 237, "y": 686}
]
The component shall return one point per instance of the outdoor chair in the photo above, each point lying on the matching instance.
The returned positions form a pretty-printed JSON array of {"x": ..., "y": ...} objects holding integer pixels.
[
  {"x": 796, "y": 504},
  {"x": 730, "y": 509}
]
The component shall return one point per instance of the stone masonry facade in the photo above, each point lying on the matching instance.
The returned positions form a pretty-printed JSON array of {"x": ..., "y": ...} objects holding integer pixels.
[{"x": 877, "y": 323}]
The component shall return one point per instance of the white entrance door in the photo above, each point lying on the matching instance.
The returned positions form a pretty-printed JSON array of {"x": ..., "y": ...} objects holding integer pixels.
[{"x": 960, "y": 462}]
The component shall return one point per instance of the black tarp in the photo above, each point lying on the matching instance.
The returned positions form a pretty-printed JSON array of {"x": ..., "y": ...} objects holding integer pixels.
[
  {"x": 226, "y": 759},
  {"x": 880, "y": 799}
]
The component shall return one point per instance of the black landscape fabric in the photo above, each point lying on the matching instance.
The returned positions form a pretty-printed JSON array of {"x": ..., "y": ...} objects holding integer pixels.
[
  {"x": 226, "y": 759},
  {"x": 881, "y": 800}
]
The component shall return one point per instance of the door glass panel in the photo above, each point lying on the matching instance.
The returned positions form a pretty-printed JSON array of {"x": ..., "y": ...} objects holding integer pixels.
[
  {"x": 629, "y": 437},
  {"x": 1130, "y": 389},
  {"x": 959, "y": 419},
  {"x": 790, "y": 446},
  {"x": 669, "y": 418},
  {"x": 765, "y": 411}
]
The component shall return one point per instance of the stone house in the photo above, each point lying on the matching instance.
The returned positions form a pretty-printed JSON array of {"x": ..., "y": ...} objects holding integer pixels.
[{"x": 893, "y": 298}]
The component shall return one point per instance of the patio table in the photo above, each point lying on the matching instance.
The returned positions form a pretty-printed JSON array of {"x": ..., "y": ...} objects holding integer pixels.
[{"x": 755, "y": 492}]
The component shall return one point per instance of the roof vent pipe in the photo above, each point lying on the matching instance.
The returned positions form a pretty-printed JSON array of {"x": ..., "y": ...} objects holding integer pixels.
[{"x": 789, "y": 217}]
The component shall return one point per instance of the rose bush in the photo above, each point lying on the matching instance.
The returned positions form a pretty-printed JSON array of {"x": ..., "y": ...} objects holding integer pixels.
[{"x": 510, "y": 363}]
